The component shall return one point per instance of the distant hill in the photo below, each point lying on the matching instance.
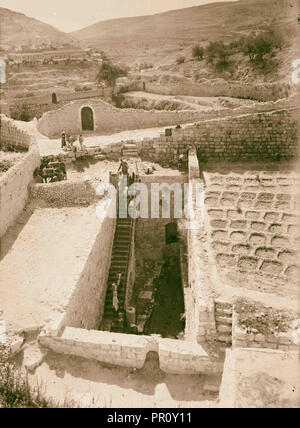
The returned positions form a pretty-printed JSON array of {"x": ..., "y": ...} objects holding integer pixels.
[
  {"x": 18, "y": 30},
  {"x": 183, "y": 27}
]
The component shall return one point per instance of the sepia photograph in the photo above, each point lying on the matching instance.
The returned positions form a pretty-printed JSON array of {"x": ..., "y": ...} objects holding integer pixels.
[{"x": 149, "y": 207}]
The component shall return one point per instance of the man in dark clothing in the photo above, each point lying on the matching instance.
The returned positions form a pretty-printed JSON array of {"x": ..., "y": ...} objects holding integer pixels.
[
  {"x": 124, "y": 167},
  {"x": 63, "y": 140}
]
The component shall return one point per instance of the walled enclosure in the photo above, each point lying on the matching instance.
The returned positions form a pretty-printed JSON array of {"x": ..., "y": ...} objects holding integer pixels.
[
  {"x": 150, "y": 232},
  {"x": 108, "y": 119},
  {"x": 14, "y": 183}
]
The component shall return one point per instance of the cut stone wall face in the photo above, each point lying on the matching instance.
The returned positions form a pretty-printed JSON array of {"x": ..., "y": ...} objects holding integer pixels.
[{"x": 177, "y": 357}]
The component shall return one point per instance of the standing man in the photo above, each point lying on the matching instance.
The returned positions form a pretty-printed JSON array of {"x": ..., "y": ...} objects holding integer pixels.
[
  {"x": 81, "y": 141},
  {"x": 124, "y": 167},
  {"x": 63, "y": 140}
]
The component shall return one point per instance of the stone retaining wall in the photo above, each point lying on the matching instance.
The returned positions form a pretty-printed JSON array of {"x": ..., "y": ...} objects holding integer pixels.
[
  {"x": 108, "y": 119},
  {"x": 198, "y": 277},
  {"x": 14, "y": 183},
  {"x": 243, "y": 339},
  {"x": 126, "y": 350},
  {"x": 271, "y": 135},
  {"x": 262, "y": 92},
  {"x": 86, "y": 300}
]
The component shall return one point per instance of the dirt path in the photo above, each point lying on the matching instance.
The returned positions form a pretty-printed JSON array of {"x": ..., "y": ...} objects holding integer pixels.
[
  {"x": 194, "y": 103},
  {"x": 92, "y": 384}
]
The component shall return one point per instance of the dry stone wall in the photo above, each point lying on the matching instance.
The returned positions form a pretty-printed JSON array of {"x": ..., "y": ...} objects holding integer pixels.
[
  {"x": 281, "y": 341},
  {"x": 263, "y": 92},
  {"x": 65, "y": 193}
]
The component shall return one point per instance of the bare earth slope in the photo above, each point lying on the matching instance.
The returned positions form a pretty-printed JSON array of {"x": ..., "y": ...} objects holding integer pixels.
[
  {"x": 207, "y": 22},
  {"x": 18, "y": 29}
]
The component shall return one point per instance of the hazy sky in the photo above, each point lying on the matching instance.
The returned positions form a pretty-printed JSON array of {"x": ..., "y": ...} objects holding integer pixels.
[{"x": 69, "y": 15}]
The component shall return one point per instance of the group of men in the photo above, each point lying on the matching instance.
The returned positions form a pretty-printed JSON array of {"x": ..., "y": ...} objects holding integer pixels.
[{"x": 70, "y": 142}]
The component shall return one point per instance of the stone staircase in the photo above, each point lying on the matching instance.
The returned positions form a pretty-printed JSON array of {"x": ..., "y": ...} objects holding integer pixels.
[
  {"x": 129, "y": 150},
  {"x": 119, "y": 265},
  {"x": 223, "y": 312}
]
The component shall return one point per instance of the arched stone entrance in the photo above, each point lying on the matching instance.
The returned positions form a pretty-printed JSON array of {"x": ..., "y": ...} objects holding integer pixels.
[{"x": 87, "y": 119}]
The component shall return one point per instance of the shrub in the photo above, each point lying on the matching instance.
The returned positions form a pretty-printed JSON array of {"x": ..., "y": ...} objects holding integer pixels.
[
  {"x": 15, "y": 391},
  {"x": 118, "y": 100},
  {"x": 23, "y": 113},
  {"x": 217, "y": 54},
  {"x": 198, "y": 52},
  {"x": 180, "y": 60}
]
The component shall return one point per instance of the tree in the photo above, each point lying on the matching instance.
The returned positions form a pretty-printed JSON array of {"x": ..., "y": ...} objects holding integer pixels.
[
  {"x": 217, "y": 54},
  {"x": 198, "y": 52},
  {"x": 108, "y": 73},
  {"x": 258, "y": 46}
]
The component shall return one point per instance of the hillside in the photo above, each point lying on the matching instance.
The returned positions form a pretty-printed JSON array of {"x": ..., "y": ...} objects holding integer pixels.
[
  {"x": 155, "y": 37},
  {"x": 19, "y": 30}
]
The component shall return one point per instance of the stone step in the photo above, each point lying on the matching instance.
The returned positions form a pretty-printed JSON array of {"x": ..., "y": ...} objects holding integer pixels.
[
  {"x": 117, "y": 257},
  {"x": 224, "y": 338},
  {"x": 224, "y": 311},
  {"x": 224, "y": 320},
  {"x": 224, "y": 329},
  {"x": 122, "y": 229},
  {"x": 119, "y": 269},
  {"x": 211, "y": 388},
  {"x": 129, "y": 149},
  {"x": 129, "y": 145},
  {"x": 113, "y": 274},
  {"x": 118, "y": 262},
  {"x": 123, "y": 240},
  {"x": 121, "y": 248},
  {"x": 221, "y": 304},
  {"x": 130, "y": 153},
  {"x": 121, "y": 252}
]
